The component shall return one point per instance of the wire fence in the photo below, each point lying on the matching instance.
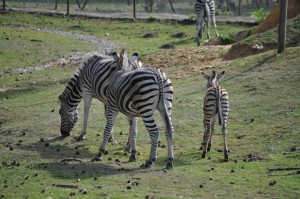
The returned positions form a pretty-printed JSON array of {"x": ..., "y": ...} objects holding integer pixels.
[{"x": 135, "y": 7}]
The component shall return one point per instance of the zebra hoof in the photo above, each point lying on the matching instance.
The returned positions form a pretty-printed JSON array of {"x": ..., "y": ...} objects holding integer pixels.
[
  {"x": 97, "y": 158},
  {"x": 226, "y": 158},
  {"x": 147, "y": 165},
  {"x": 169, "y": 165},
  {"x": 203, "y": 155},
  {"x": 80, "y": 138},
  {"x": 132, "y": 158}
]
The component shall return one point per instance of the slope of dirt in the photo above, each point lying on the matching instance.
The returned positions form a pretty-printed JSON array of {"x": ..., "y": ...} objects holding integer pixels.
[
  {"x": 262, "y": 42},
  {"x": 193, "y": 59},
  {"x": 271, "y": 21}
]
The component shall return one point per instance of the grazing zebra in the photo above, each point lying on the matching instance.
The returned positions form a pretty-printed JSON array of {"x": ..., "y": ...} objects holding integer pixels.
[
  {"x": 139, "y": 93},
  {"x": 91, "y": 80},
  {"x": 204, "y": 10},
  {"x": 215, "y": 103}
]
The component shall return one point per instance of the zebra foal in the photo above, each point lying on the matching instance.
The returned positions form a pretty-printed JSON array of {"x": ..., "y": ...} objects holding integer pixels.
[
  {"x": 215, "y": 104},
  {"x": 205, "y": 9},
  {"x": 138, "y": 93}
]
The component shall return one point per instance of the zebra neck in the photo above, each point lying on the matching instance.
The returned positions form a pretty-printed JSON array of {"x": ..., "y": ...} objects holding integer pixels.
[{"x": 73, "y": 93}]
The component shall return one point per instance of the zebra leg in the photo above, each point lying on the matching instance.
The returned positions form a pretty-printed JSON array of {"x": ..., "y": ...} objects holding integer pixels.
[
  {"x": 131, "y": 146},
  {"x": 211, "y": 134},
  {"x": 199, "y": 28},
  {"x": 111, "y": 138},
  {"x": 224, "y": 132},
  {"x": 170, "y": 136},
  {"x": 169, "y": 132},
  {"x": 87, "y": 99},
  {"x": 111, "y": 117},
  {"x": 154, "y": 135},
  {"x": 206, "y": 136},
  {"x": 213, "y": 18},
  {"x": 208, "y": 26}
]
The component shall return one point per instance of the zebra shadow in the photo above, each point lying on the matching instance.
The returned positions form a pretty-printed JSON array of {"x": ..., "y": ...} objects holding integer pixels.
[{"x": 73, "y": 160}]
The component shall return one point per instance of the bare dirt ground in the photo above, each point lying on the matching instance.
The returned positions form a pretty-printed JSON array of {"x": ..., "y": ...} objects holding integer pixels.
[{"x": 193, "y": 59}]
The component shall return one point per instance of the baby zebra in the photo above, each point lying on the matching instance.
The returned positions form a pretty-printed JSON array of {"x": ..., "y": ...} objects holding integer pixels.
[
  {"x": 138, "y": 93},
  {"x": 215, "y": 103}
]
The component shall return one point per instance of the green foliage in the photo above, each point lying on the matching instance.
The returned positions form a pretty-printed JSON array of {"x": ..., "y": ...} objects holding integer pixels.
[
  {"x": 229, "y": 39},
  {"x": 152, "y": 17},
  {"x": 192, "y": 17},
  {"x": 259, "y": 14}
]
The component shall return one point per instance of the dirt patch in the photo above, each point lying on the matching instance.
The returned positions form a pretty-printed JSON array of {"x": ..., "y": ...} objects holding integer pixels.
[
  {"x": 193, "y": 59},
  {"x": 272, "y": 20}
]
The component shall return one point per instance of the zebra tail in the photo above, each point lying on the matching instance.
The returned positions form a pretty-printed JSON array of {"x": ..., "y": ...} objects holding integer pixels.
[
  {"x": 162, "y": 97},
  {"x": 219, "y": 94}
]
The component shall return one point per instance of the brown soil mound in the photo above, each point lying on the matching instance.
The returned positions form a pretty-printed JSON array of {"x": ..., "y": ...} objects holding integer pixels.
[
  {"x": 271, "y": 21},
  {"x": 190, "y": 60}
]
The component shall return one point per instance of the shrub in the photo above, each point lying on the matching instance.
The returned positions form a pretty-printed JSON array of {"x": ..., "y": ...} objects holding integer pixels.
[{"x": 259, "y": 14}]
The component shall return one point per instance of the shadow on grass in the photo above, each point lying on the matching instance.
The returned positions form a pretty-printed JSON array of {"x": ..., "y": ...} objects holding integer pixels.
[
  {"x": 249, "y": 69},
  {"x": 65, "y": 158}
]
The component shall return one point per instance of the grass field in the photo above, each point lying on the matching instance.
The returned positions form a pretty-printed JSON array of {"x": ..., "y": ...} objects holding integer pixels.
[{"x": 263, "y": 130}]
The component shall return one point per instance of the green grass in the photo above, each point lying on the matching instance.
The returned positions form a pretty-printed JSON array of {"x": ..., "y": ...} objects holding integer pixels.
[
  {"x": 263, "y": 87},
  {"x": 128, "y": 32}
]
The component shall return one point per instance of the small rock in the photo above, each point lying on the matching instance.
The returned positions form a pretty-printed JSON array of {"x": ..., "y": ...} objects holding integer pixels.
[
  {"x": 232, "y": 171},
  {"x": 168, "y": 46},
  {"x": 72, "y": 194},
  {"x": 149, "y": 35},
  {"x": 201, "y": 186},
  {"x": 272, "y": 183}
]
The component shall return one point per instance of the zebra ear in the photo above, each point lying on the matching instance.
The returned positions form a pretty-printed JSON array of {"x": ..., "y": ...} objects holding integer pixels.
[
  {"x": 205, "y": 76},
  {"x": 220, "y": 76}
]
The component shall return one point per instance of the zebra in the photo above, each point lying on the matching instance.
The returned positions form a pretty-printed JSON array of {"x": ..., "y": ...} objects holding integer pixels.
[
  {"x": 90, "y": 80},
  {"x": 204, "y": 10},
  {"x": 138, "y": 93},
  {"x": 215, "y": 103}
]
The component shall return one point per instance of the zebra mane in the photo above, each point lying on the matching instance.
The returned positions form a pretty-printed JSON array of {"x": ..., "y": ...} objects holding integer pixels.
[{"x": 76, "y": 77}]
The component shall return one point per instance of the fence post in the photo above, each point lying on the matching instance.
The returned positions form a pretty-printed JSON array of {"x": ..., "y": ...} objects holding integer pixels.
[
  {"x": 282, "y": 26},
  {"x": 68, "y": 7},
  {"x": 134, "y": 11},
  {"x": 55, "y": 5},
  {"x": 3, "y": 4}
]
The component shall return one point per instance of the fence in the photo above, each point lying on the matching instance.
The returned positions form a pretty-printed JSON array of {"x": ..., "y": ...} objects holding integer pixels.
[{"x": 135, "y": 7}]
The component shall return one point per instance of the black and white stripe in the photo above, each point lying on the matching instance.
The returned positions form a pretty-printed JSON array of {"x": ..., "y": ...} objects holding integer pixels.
[
  {"x": 90, "y": 81},
  {"x": 139, "y": 93},
  {"x": 215, "y": 104},
  {"x": 205, "y": 9}
]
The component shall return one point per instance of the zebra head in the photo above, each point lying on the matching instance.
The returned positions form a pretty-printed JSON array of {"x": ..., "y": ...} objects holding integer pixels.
[
  {"x": 213, "y": 79},
  {"x": 68, "y": 115}
]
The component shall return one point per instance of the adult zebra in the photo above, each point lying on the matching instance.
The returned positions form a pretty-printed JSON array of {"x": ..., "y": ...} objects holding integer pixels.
[
  {"x": 139, "y": 93},
  {"x": 91, "y": 80},
  {"x": 215, "y": 103},
  {"x": 204, "y": 10}
]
